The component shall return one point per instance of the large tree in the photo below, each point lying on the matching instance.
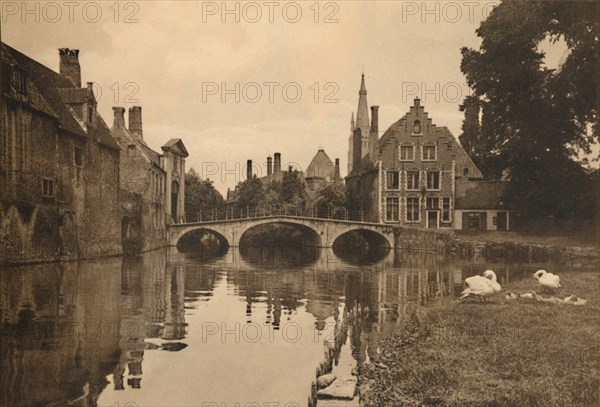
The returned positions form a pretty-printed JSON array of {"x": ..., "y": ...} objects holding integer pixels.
[
  {"x": 538, "y": 119},
  {"x": 250, "y": 194},
  {"x": 201, "y": 195},
  {"x": 293, "y": 192}
]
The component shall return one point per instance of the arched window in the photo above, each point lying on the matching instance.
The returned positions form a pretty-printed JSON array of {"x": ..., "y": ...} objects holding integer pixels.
[
  {"x": 174, "y": 200},
  {"x": 417, "y": 127}
]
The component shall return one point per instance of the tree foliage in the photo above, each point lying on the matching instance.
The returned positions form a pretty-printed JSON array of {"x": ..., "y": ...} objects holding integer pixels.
[
  {"x": 293, "y": 191},
  {"x": 201, "y": 195},
  {"x": 250, "y": 193},
  {"x": 289, "y": 193},
  {"x": 535, "y": 120},
  {"x": 332, "y": 195}
]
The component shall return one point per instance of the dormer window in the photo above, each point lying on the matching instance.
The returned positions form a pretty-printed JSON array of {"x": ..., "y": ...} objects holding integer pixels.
[
  {"x": 429, "y": 152},
  {"x": 20, "y": 80},
  {"x": 417, "y": 127}
]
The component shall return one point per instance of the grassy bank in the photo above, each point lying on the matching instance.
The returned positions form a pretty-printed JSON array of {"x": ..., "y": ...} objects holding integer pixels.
[{"x": 503, "y": 353}]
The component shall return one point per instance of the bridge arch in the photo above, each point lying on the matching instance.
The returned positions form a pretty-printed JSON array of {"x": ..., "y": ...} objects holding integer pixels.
[
  {"x": 361, "y": 245},
  {"x": 306, "y": 230},
  {"x": 210, "y": 240}
]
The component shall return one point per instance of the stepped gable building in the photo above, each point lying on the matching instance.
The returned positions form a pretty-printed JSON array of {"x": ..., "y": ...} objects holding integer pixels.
[
  {"x": 417, "y": 174},
  {"x": 58, "y": 164}
]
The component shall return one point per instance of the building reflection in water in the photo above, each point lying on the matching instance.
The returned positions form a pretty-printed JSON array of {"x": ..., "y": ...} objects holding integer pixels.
[
  {"x": 73, "y": 331},
  {"x": 58, "y": 339}
]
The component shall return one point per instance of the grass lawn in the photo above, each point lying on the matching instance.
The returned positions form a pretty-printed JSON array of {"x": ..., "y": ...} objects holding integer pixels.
[
  {"x": 500, "y": 353},
  {"x": 557, "y": 239}
]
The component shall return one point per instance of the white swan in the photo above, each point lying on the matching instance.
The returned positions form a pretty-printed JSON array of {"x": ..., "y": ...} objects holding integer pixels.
[
  {"x": 548, "y": 281},
  {"x": 493, "y": 281},
  {"x": 478, "y": 286}
]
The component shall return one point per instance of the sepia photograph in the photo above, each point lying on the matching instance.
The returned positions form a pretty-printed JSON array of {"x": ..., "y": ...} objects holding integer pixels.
[{"x": 309, "y": 203}]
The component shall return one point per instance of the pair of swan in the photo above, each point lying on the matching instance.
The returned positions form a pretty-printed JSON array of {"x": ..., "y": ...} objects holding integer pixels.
[
  {"x": 482, "y": 286},
  {"x": 487, "y": 285}
]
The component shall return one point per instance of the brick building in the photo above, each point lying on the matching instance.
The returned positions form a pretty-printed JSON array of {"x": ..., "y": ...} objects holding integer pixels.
[
  {"x": 70, "y": 187},
  {"x": 58, "y": 164},
  {"x": 416, "y": 174},
  {"x": 147, "y": 201}
]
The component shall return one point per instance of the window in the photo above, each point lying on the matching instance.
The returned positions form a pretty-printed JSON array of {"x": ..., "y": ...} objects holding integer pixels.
[
  {"x": 78, "y": 156},
  {"x": 47, "y": 187},
  {"x": 20, "y": 81},
  {"x": 393, "y": 180},
  {"x": 433, "y": 180},
  {"x": 412, "y": 181},
  {"x": 131, "y": 150},
  {"x": 445, "y": 209},
  {"x": 429, "y": 152},
  {"x": 391, "y": 209},
  {"x": 412, "y": 209},
  {"x": 433, "y": 203},
  {"x": 417, "y": 127},
  {"x": 407, "y": 153},
  {"x": 465, "y": 172},
  {"x": 90, "y": 113}
]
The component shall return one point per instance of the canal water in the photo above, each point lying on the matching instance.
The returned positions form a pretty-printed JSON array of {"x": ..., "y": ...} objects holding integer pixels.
[{"x": 169, "y": 329}]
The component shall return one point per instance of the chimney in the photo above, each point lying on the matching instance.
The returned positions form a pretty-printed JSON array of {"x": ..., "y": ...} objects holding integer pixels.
[
  {"x": 374, "y": 119},
  {"x": 249, "y": 169},
  {"x": 69, "y": 65},
  {"x": 374, "y": 135},
  {"x": 135, "y": 120},
  {"x": 356, "y": 149},
  {"x": 277, "y": 165},
  {"x": 336, "y": 174},
  {"x": 119, "y": 117},
  {"x": 269, "y": 166}
]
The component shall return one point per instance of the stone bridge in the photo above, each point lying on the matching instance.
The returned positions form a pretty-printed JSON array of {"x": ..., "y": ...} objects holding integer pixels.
[{"x": 327, "y": 230}]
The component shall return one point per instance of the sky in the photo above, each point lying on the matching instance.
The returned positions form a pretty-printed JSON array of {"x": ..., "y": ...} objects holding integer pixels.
[{"x": 243, "y": 80}]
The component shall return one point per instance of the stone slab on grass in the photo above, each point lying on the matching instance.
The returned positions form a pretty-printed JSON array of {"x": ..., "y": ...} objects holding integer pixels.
[{"x": 342, "y": 388}]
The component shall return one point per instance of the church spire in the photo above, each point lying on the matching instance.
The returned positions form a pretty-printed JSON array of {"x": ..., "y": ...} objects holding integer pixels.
[
  {"x": 363, "y": 89},
  {"x": 362, "y": 114},
  {"x": 352, "y": 123}
]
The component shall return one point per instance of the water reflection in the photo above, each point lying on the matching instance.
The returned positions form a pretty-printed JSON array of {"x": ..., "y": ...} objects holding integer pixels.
[
  {"x": 361, "y": 247},
  {"x": 277, "y": 255},
  {"x": 178, "y": 330}
]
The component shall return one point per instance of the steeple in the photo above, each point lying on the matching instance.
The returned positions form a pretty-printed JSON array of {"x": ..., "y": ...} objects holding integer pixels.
[
  {"x": 352, "y": 123},
  {"x": 362, "y": 114}
]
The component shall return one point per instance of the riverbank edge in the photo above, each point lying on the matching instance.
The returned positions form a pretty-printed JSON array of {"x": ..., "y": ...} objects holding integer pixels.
[
  {"x": 451, "y": 247},
  {"x": 502, "y": 353}
]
